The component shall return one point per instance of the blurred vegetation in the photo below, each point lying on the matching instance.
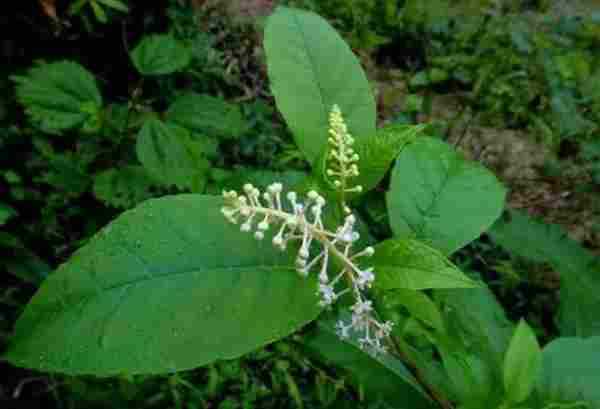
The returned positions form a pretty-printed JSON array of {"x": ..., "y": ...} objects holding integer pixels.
[{"x": 90, "y": 86}]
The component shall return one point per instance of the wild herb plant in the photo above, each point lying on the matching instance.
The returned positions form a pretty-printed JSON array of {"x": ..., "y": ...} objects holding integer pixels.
[{"x": 178, "y": 282}]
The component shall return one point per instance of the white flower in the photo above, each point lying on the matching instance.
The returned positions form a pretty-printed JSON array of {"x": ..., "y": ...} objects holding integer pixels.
[
  {"x": 328, "y": 295},
  {"x": 362, "y": 307},
  {"x": 365, "y": 278},
  {"x": 342, "y": 330}
]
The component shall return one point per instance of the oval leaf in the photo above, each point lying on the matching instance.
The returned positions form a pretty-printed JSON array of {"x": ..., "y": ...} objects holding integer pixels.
[
  {"x": 440, "y": 198},
  {"x": 160, "y": 54},
  {"x": 311, "y": 68},
  {"x": 376, "y": 154},
  {"x": 170, "y": 156},
  {"x": 58, "y": 96},
  {"x": 409, "y": 264},
  {"x": 167, "y": 286},
  {"x": 570, "y": 373},
  {"x": 207, "y": 115}
]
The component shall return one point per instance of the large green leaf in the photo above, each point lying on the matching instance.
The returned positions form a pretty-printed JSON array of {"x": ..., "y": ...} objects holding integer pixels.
[
  {"x": 170, "y": 155},
  {"x": 440, "y": 198},
  {"x": 410, "y": 264},
  {"x": 207, "y": 115},
  {"x": 382, "y": 377},
  {"x": 160, "y": 54},
  {"x": 167, "y": 286},
  {"x": 59, "y": 96},
  {"x": 311, "y": 68},
  {"x": 579, "y": 268},
  {"x": 570, "y": 373}
]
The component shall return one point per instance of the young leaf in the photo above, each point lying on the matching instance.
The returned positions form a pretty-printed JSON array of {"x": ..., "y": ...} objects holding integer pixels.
[
  {"x": 410, "y": 264},
  {"x": 58, "y": 96},
  {"x": 570, "y": 373},
  {"x": 377, "y": 153},
  {"x": 160, "y": 54},
  {"x": 440, "y": 198},
  {"x": 167, "y": 286},
  {"x": 522, "y": 364},
  {"x": 382, "y": 377},
  {"x": 170, "y": 156},
  {"x": 311, "y": 68},
  {"x": 207, "y": 115},
  {"x": 579, "y": 268}
]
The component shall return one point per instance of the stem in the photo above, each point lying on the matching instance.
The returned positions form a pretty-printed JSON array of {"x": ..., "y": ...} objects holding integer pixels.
[{"x": 404, "y": 356}]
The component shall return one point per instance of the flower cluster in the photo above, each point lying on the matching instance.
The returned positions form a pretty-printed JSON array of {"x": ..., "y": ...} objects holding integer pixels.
[
  {"x": 301, "y": 221},
  {"x": 342, "y": 163}
]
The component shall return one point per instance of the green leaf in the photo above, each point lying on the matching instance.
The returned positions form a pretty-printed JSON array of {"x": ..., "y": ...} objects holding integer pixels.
[
  {"x": 124, "y": 187},
  {"x": 471, "y": 380},
  {"x": 311, "y": 68},
  {"x": 570, "y": 373},
  {"x": 418, "y": 305},
  {"x": 6, "y": 213},
  {"x": 58, "y": 96},
  {"x": 160, "y": 54},
  {"x": 377, "y": 153},
  {"x": 167, "y": 286},
  {"x": 98, "y": 11},
  {"x": 170, "y": 156},
  {"x": 478, "y": 335},
  {"x": 207, "y": 115},
  {"x": 475, "y": 318},
  {"x": 382, "y": 377},
  {"x": 76, "y": 6},
  {"x": 115, "y": 4},
  {"x": 440, "y": 198},
  {"x": 522, "y": 364},
  {"x": 568, "y": 120},
  {"x": 579, "y": 268},
  {"x": 410, "y": 264}
]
